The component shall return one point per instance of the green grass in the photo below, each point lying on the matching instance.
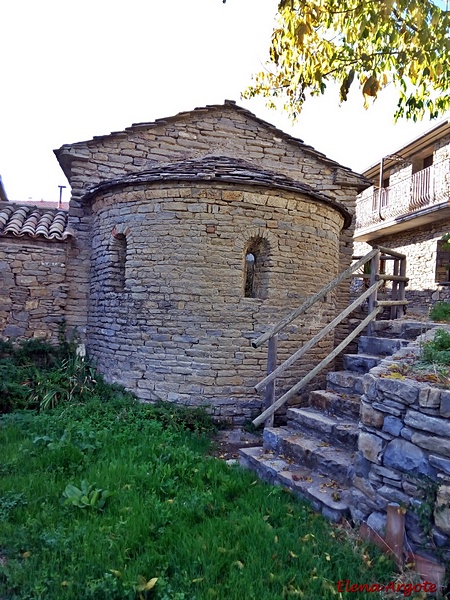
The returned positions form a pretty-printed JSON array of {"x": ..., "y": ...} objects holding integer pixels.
[
  {"x": 204, "y": 529},
  {"x": 166, "y": 516},
  {"x": 440, "y": 312}
]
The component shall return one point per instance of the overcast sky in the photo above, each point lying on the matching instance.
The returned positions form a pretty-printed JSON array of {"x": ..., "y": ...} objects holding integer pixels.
[{"x": 72, "y": 70}]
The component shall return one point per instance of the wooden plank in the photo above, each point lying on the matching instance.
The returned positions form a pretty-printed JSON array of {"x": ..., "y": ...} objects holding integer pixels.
[
  {"x": 392, "y": 278},
  {"x": 394, "y": 293},
  {"x": 391, "y": 302},
  {"x": 313, "y": 341},
  {"x": 276, "y": 405},
  {"x": 374, "y": 271},
  {"x": 390, "y": 252},
  {"x": 271, "y": 366},
  {"x": 318, "y": 296}
]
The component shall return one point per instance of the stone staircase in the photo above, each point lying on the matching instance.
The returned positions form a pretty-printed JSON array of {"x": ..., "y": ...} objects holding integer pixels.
[{"x": 313, "y": 455}]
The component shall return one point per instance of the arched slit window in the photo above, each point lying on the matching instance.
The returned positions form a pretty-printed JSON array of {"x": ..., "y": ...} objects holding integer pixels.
[
  {"x": 256, "y": 268},
  {"x": 118, "y": 258}
]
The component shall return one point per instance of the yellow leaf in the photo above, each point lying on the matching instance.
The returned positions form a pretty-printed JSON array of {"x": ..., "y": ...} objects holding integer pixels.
[
  {"x": 198, "y": 579},
  {"x": 239, "y": 564},
  {"x": 307, "y": 537},
  {"x": 64, "y": 583},
  {"x": 292, "y": 554},
  {"x": 327, "y": 556},
  {"x": 26, "y": 554},
  {"x": 276, "y": 539},
  {"x": 116, "y": 573},
  {"x": 144, "y": 585}
]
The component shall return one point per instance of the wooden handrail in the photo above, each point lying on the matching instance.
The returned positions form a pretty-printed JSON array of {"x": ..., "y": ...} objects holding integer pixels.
[
  {"x": 313, "y": 341},
  {"x": 311, "y": 301},
  {"x": 296, "y": 388}
]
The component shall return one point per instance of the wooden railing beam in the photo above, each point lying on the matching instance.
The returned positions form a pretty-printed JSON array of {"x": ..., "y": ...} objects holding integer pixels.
[
  {"x": 313, "y": 341},
  {"x": 311, "y": 301},
  {"x": 296, "y": 388}
]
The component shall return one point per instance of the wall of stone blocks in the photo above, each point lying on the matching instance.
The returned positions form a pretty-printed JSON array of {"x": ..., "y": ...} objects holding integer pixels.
[
  {"x": 181, "y": 328},
  {"x": 404, "y": 454},
  {"x": 420, "y": 246},
  {"x": 221, "y": 130},
  {"x": 33, "y": 287}
]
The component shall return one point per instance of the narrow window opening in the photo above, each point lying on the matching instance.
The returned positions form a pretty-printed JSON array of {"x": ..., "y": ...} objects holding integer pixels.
[
  {"x": 118, "y": 256},
  {"x": 443, "y": 259},
  {"x": 250, "y": 263},
  {"x": 256, "y": 268}
]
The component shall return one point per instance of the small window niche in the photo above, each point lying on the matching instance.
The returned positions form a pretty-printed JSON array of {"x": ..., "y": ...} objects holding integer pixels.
[
  {"x": 443, "y": 259},
  {"x": 118, "y": 259},
  {"x": 256, "y": 268}
]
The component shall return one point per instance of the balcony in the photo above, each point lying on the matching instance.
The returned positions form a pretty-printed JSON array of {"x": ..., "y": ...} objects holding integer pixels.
[{"x": 410, "y": 203}]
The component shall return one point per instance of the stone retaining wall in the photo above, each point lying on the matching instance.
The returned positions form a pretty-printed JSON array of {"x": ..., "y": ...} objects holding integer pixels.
[
  {"x": 33, "y": 287},
  {"x": 404, "y": 453}
]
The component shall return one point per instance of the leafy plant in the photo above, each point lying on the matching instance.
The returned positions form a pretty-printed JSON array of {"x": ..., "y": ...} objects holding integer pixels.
[
  {"x": 368, "y": 45},
  {"x": 440, "y": 312},
  {"x": 437, "y": 350},
  {"x": 87, "y": 496}
]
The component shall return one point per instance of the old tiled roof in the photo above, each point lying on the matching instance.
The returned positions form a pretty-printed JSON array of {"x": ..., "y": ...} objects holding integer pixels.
[
  {"x": 38, "y": 223},
  {"x": 64, "y": 157},
  {"x": 219, "y": 169}
]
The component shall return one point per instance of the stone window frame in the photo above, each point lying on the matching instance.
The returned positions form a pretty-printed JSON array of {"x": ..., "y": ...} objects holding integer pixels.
[
  {"x": 117, "y": 254},
  {"x": 257, "y": 254}
]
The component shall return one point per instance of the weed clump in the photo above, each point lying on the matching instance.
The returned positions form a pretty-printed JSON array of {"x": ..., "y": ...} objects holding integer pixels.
[{"x": 440, "y": 312}]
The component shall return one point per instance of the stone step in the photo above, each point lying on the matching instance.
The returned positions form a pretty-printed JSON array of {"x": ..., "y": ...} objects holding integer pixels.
[
  {"x": 334, "y": 430},
  {"x": 333, "y": 403},
  {"x": 308, "y": 451},
  {"x": 360, "y": 363},
  {"x": 379, "y": 346},
  {"x": 345, "y": 382},
  {"x": 404, "y": 329},
  {"x": 325, "y": 494}
]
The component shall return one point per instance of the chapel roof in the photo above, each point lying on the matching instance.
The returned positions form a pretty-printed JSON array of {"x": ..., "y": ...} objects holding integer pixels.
[
  {"x": 37, "y": 223},
  {"x": 219, "y": 169},
  {"x": 64, "y": 154}
]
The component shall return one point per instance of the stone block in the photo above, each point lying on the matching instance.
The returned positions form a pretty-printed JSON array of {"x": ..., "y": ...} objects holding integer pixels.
[
  {"x": 402, "y": 391},
  {"x": 434, "y": 425},
  {"x": 445, "y": 404},
  {"x": 442, "y": 512},
  {"x": 370, "y": 446},
  {"x": 437, "y": 445},
  {"x": 441, "y": 464},
  {"x": 370, "y": 416},
  {"x": 406, "y": 457},
  {"x": 392, "y": 425}
]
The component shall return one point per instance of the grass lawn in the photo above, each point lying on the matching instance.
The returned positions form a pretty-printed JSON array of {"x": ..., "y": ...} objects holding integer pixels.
[{"x": 113, "y": 499}]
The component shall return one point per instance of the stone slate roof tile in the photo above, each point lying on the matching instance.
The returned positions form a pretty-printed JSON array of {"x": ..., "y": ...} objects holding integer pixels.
[
  {"x": 37, "y": 223},
  {"x": 219, "y": 169}
]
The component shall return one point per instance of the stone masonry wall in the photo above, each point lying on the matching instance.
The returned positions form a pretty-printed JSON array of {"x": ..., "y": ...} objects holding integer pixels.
[
  {"x": 33, "y": 287},
  {"x": 420, "y": 246},
  {"x": 221, "y": 130},
  {"x": 181, "y": 327},
  {"x": 404, "y": 454}
]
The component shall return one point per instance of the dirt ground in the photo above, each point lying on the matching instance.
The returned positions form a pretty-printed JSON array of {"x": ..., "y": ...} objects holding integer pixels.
[{"x": 227, "y": 442}]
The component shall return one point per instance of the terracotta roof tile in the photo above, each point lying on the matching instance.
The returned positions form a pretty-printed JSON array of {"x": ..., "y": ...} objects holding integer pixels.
[{"x": 34, "y": 222}]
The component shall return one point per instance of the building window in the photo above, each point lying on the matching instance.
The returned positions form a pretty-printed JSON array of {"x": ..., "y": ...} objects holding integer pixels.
[
  {"x": 443, "y": 259},
  {"x": 118, "y": 259},
  {"x": 256, "y": 268}
]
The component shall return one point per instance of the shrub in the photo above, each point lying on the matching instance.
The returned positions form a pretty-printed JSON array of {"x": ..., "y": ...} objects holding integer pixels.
[
  {"x": 437, "y": 350},
  {"x": 440, "y": 312}
]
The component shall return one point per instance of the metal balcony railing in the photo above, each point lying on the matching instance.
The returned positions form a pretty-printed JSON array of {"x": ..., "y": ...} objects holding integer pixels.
[{"x": 428, "y": 187}]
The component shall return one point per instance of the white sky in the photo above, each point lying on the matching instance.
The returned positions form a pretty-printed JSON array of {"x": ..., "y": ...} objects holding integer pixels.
[{"x": 72, "y": 70}]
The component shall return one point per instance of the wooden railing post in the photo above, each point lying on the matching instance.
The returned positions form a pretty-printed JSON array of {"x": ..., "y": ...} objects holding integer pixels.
[
  {"x": 374, "y": 268},
  {"x": 395, "y": 286},
  {"x": 402, "y": 284},
  {"x": 271, "y": 366}
]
